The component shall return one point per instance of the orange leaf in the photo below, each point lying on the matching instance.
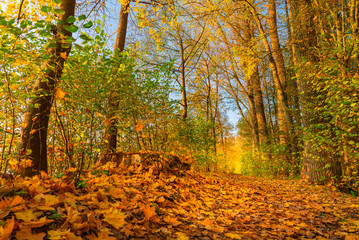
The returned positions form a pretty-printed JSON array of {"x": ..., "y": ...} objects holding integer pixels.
[
  {"x": 25, "y": 233},
  {"x": 149, "y": 211},
  {"x": 39, "y": 223},
  {"x": 60, "y": 94},
  {"x": 6, "y": 231},
  {"x": 104, "y": 234},
  {"x": 139, "y": 127},
  {"x": 207, "y": 222},
  {"x": 63, "y": 55}
]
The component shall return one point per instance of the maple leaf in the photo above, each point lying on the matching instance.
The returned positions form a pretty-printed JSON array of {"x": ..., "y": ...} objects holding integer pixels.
[
  {"x": 26, "y": 216},
  {"x": 6, "y": 230},
  {"x": 149, "y": 211},
  {"x": 13, "y": 204},
  {"x": 47, "y": 200},
  {"x": 115, "y": 217},
  {"x": 25, "y": 233}
]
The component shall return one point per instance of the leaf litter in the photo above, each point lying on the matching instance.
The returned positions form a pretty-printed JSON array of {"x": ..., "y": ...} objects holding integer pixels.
[{"x": 141, "y": 201}]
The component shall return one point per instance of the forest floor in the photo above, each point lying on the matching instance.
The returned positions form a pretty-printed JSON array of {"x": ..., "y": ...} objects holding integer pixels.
[{"x": 140, "y": 202}]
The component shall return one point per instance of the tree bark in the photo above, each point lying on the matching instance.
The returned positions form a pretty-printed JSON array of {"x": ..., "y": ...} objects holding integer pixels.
[
  {"x": 36, "y": 118},
  {"x": 112, "y": 129}
]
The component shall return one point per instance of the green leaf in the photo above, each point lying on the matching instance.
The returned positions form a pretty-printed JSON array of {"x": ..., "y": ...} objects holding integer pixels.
[
  {"x": 46, "y": 9},
  {"x": 82, "y": 17},
  {"x": 11, "y": 22},
  {"x": 57, "y": 1},
  {"x": 71, "y": 28},
  {"x": 88, "y": 25},
  {"x": 23, "y": 24},
  {"x": 71, "y": 19},
  {"x": 97, "y": 29},
  {"x": 65, "y": 45},
  {"x": 85, "y": 37},
  {"x": 59, "y": 11},
  {"x": 3, "y": 22}
]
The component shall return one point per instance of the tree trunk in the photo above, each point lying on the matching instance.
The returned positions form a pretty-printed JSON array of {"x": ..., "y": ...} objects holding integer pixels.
[
  {"x": 36, "y": 118},
  {"x": 319, "y": 165},
  {"x": 183, "y": 79},
  {"x": 111, "y": 135}
]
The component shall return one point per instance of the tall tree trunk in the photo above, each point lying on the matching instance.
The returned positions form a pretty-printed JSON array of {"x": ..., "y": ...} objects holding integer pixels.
[
  {"x": 111, "y": 135},
  {"x": 36, "y": 118},
  {"x": 286, "y": 131},
  {"x": 315, "y": 157},
  {"x": 254, "y": 87},
  {"x": 183, "y": 78}
]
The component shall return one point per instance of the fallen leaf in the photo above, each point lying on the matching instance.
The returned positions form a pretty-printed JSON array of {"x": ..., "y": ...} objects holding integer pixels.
[
  {"x": 233, "y": 235},
  {"x": 181, "y": 236},
  {"x": 6, "y": 230},
  {"x": 116, "y": 218},
  {"x": 26, "y": 216},
  {"x": 37, "y": 224},
  {"x": 25, "y": 233},
  {"x": 47, "y": 200},
  {"x": 149, "y": 211}
]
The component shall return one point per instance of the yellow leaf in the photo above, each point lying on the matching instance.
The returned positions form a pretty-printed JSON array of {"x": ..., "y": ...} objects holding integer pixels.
[
  {"x": 57, "y": 235},
  {"x": 116, "y": 218},
  {"x": 181, "y": 236},
  {"x": 233, "y": 235},
  {"x": 60, "y": 94},
  {"x": 26, "y": 216},
  {"x": 47, "y": 200}
]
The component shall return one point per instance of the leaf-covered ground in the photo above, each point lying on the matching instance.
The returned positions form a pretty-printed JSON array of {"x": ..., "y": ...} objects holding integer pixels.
[{"x": 140, "y": 202}]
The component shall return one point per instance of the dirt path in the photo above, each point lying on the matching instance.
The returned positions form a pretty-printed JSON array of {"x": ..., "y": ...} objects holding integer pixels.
[{"x": 139, "y": 202}]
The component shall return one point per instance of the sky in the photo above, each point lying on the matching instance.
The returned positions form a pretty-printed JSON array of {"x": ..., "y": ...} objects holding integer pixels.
[{"x": 112, "y": 11}]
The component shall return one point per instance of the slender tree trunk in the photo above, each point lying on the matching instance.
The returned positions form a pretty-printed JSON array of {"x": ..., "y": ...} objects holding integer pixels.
[
  {"x": 254, "y": 87},
  {"x": 36, "y": 118},
  {"x": 183, "y": 79},
  {"x": 111, "y": 135}
]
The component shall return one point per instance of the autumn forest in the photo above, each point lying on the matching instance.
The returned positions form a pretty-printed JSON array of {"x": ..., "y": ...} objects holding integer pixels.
[{"x": 179, "y": 119}]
